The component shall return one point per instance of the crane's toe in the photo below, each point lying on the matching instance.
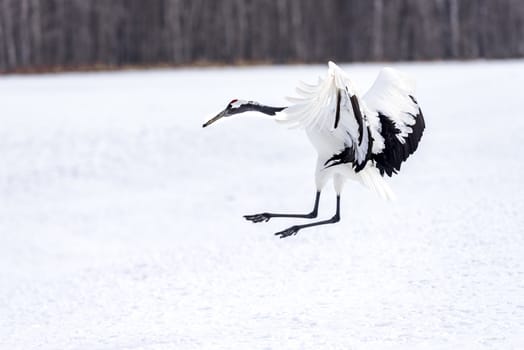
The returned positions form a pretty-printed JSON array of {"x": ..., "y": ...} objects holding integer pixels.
[
  {"x": 293, "y": 230},
  {"x": 264, "y": 217}
]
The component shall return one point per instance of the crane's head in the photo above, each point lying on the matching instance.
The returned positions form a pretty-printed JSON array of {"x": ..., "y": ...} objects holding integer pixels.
[{"x": 232, "y": 108}]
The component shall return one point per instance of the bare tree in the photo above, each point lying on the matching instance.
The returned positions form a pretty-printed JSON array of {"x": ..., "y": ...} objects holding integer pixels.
[
  {"x": 9, "y": 41},
  {"x": 41, "y": 34}
]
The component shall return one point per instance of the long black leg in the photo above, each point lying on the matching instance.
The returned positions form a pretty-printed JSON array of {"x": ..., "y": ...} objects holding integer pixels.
[
  {"x": 293, "y": 230},
  {"x": 267, "y": 216}
]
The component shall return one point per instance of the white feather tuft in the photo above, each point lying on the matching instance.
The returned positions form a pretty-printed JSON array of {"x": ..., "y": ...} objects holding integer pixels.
[{"x": 372, "y": 179}]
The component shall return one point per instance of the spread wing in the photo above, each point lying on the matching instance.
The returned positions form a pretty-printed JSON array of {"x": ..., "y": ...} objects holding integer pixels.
[
  {"x": 396, "y": 120},
  {"x": 333, "y": 109}
]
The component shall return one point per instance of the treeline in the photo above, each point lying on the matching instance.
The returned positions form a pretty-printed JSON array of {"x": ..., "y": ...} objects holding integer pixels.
[{"x": 48, "y": 34}]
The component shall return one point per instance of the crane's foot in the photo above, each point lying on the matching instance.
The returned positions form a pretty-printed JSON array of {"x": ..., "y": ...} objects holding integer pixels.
[
  {"x": 264, "y": 217},
  {"x": 291, "y": 231}
]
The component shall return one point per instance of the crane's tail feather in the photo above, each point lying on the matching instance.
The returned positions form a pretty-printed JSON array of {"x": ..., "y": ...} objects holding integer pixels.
[{"x": 372, "y": 179}]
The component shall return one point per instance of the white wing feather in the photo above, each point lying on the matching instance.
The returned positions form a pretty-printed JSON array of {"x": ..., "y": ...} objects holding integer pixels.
[
  {"x": 316, "y": 107},
  {"x": 395, "y": 118},
  {"x": 390, "y": 96}
]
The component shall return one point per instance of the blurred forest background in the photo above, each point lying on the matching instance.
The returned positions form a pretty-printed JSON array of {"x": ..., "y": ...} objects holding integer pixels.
[{"x": 84, "y": 34}]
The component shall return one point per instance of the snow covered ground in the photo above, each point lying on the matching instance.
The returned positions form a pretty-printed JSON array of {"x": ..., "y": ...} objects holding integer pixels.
[{"x": 121, "y": 218}]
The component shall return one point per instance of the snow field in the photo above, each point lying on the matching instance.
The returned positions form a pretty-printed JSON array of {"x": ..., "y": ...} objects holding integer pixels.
[{"x": 121, "y": 218}]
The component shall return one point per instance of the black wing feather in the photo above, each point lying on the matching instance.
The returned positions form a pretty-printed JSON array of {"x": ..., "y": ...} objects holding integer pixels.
[
  {"x": 358, "y": 117},
  {"x": 396, "y": 152}
]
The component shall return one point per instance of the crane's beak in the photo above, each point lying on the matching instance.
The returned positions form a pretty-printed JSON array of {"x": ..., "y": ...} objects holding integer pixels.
[{"x": 215, "y": 118}]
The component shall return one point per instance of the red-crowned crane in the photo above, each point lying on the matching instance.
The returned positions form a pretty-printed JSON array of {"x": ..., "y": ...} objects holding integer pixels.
[{"x": 360, "y": 138}]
